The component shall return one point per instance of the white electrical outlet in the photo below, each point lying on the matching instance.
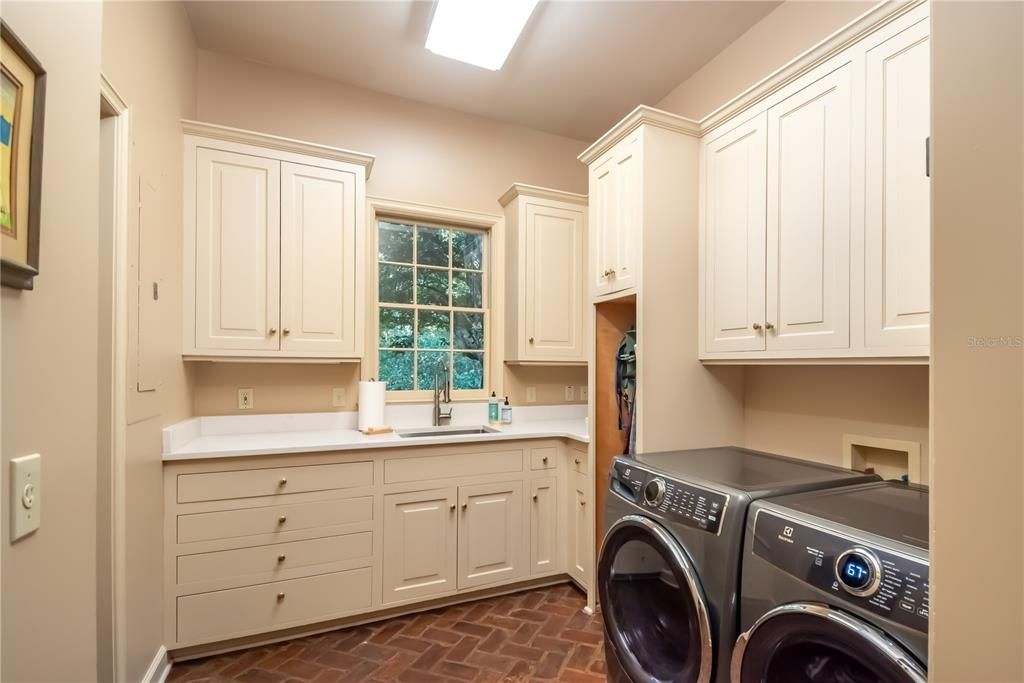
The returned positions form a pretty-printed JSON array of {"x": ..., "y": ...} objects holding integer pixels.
[
  {"x": 245, "y": 401},
  {"x": 570, "y": 392},
  {"x": 26, "y": 495},
  {"x": 531, "y": 394},
  {"x": 584, "y": 393},
  {"x": 338, "y": 397}
]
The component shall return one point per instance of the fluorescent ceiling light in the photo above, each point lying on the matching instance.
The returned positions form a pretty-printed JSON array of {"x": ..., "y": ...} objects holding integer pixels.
[{"x": 479, "y": 32}]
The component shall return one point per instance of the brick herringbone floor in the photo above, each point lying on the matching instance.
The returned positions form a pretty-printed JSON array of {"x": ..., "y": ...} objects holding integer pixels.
[{"x": 532, "y": 636}]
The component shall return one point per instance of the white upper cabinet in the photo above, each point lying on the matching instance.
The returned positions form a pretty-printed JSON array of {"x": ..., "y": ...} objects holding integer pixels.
[
  {"x": 734, "y": 237},
  {"x": 616, "y": 190},
  {"x": 815, "y": 205},
  {"x": 808, "y": 217},
  {"x": 546, "y": 275},
  {"x": 273, "y": 237},
  {"x": 237, "y": 231},
  {"x": 897, "y": 218},
  {"x": 319, "y": 306}
]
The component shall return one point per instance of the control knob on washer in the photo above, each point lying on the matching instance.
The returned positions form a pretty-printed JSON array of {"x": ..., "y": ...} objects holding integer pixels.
[{"x": 654, "y": 492}]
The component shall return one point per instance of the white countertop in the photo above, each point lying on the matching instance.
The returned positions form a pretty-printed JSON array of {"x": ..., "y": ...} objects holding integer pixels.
[{"x": 242, "y": 435}]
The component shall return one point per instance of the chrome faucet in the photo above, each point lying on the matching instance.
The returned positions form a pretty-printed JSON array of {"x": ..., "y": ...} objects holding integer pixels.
[{"x": 441, "y": 379}]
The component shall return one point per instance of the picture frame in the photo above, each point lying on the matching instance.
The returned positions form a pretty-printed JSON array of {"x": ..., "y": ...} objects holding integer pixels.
[{"x": 23, "y": 98}]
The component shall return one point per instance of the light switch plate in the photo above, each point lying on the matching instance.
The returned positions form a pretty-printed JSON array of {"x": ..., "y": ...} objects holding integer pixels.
[
  {"x": 338, "y": 397},
  {"x": 26, "y": 495},
  {"x": 570, "y": 393},
  {"x": 245, "y": 400},
  {"x": 583, "y": 393},
  {"x": 531, "y": 394}
]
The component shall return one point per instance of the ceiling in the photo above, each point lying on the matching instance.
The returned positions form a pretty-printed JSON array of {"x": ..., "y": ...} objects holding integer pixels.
[{"x": 577, "y": 68}]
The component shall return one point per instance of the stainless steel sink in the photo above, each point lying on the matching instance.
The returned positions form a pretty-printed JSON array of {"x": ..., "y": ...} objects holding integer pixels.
[{"x": 457, "y": 430}]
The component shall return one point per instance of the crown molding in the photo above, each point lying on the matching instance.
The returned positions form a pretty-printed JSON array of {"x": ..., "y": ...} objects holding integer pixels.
[
  {"x": 525, "y": 190},
  {"x": 856, "y": 30},
  {"x": 248, "y": 137},
  {"x": 642, "y": 115}
]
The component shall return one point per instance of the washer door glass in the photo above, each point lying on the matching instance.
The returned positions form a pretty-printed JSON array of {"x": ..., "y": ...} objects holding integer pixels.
[
  {"x": 655, "y": 616},
  {"x": 812, "y": 643}
]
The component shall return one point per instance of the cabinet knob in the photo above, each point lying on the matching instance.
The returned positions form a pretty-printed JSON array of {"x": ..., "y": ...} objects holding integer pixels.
[
  {"x": 272, "y": 331},
  {"x": 583, "y": 502},
  {"x": 609, "y": 272},
  {"x": 576, "y": 461},
  {"x": 452, "y": 507},
  {"x": 535, "y": 496},
  {"x": 280, "y": 558},
  {"x": 465, "y": 506},
  {"x": 280, "y": 597},
  {"x": 756, "y": 326},
  {"x": 531, "y": 340},
  {"x": 284, "y": 480},
  {"x": 286, "y": 331},
  {"x": 544, "y": 459},
  {"x": 282, "y": 519},
  {"x": 769, "y": 326}
]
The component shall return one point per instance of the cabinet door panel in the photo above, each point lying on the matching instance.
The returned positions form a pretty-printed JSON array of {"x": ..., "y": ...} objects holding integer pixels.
[
  {"x": 897, "y": 216},
  {"x": 580, "y": 554},
  {"x": 237, "y": 251},
  {"x": 554, "y": 277},
  {"x": 604, "y": 214},
  {"x": 808, "y": 223},
  {"x": 490, "y": 533},
  {"x": 734, "y": 238},
  {"x": 544, "y": 525},
  {"x": 420, "y": 535},
  {"x": 627, "y": 226},
  {"x": 318, "y": 260}
]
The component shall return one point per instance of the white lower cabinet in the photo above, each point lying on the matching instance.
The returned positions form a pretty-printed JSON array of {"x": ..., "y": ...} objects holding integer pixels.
[
  {"x": 420, "y": 535},
  {"x": 490, "y": 534},
  {"x": 256, "y": 545}
]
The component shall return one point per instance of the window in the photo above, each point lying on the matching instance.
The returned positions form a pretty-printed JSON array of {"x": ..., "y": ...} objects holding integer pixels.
[{"x": 432, "y": 305}]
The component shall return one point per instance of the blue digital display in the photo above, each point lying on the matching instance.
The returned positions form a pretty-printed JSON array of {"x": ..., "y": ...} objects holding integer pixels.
[{"x": 855, "y": 572}]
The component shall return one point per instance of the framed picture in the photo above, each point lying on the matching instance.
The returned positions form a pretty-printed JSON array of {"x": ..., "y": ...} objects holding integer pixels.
[{"x": 22, "y": 111}]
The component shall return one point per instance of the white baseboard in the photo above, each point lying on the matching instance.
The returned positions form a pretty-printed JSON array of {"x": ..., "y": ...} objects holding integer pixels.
[{"x": 159, "y": 668}]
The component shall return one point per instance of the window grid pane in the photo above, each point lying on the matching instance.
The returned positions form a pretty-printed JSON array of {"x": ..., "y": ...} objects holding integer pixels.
[{"x": 457, "y": 291}]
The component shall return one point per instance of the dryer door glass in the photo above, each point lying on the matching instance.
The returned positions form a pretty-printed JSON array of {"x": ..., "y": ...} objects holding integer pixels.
[
  {"x": 656, "y": 620},
  {"x": 812, "y": 643}
]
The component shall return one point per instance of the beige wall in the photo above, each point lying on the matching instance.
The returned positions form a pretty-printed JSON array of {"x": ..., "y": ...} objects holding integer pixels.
[
  {"x": 149, "y": 55},
  {"x": 790, "y": 29},
  {"x": 805, "y": 411},
  {"x": 424, "y": 154},
  {"x": 49, "y": 366},
  {"x": 977, "y": 539}
]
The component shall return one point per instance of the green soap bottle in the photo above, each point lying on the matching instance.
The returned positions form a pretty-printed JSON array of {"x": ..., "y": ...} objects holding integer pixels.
[{"x": 493, "y": 410}]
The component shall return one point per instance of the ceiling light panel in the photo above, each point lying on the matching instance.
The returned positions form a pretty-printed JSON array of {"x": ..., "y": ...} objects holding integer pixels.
[{"x": 478, "y": 32}]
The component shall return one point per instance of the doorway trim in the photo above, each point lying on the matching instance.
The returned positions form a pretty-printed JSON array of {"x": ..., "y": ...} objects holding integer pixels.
[{"x": 118, "y": 109}]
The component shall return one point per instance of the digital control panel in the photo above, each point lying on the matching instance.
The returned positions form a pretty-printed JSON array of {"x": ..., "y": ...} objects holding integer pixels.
[
  {"x": 687, "y": 504},
  {"x": 891, "y": 585}
]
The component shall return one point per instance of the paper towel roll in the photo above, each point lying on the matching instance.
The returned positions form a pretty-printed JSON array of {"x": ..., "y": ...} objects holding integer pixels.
[{"x": 371, "y": 404}]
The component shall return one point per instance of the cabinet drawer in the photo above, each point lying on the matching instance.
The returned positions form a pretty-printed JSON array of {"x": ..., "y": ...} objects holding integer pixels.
[
  {"x": 273, "y": 519},
  {"x": 543, "y": 458},
  {"x": 578, "y": 461},
  {"x": 267, "y": 482},
  {"x": 401, "y": 470},
  {"x": 270, "y": 560},
  {"x": 209, "y": 617}
]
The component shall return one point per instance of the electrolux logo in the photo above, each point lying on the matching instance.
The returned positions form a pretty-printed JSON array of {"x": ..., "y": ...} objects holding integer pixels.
[{"x": 787, "y": 534}]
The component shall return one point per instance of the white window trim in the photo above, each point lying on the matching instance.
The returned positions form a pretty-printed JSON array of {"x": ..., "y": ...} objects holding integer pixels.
[{"x": 494, "y": 225}]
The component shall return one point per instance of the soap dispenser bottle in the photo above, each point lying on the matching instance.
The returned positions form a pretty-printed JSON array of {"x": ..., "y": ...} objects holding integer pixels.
[
  {"x": 506, "y": 413},
  {"x": 493, "y": 410}
]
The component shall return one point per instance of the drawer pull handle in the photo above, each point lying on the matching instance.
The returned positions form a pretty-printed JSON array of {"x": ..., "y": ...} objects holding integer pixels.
[
  {"x": 284, "y": 480},
  {"x": 280, "y": 597},
  {"x": 280, "y": 558},
  {"x": 282, "y": 519}
]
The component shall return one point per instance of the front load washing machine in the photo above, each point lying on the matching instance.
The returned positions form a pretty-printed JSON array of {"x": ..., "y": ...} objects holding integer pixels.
[
  {"x": 668, "y": 571},
  {"x": 835, "y": 587}
]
